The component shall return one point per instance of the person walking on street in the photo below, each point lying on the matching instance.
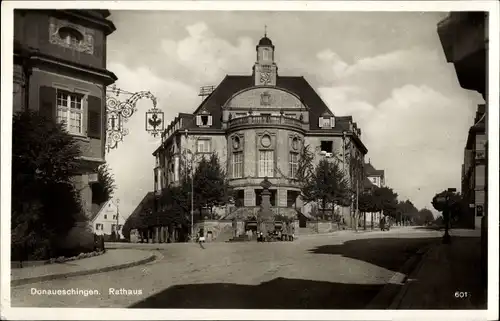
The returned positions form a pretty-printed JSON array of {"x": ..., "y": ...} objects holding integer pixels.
[{"x": 201, "y": 239}]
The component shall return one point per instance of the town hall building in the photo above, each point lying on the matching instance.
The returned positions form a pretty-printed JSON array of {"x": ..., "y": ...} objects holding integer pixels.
[{"x": 258, "y": 124}]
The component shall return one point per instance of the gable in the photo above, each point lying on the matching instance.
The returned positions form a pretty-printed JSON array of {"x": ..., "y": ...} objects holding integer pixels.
[
  {"x": 109, "y": 208},
  {"x": 266, "y": 97}
]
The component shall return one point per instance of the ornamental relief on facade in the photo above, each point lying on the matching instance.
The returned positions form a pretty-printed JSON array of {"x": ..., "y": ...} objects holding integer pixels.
[
  {"x": 265, "y": 97},
  {"x": 85, "y": 44}
]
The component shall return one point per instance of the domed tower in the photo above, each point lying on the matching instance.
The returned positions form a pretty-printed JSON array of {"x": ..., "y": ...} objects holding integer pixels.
[{"x": 265, "y": 70}]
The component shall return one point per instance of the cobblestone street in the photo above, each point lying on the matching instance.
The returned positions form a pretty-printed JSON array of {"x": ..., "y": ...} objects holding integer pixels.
[{"x": 342, "y": 271}]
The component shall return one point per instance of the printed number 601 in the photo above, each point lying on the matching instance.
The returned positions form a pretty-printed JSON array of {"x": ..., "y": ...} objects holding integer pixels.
[{"x": 461, "y": 295}]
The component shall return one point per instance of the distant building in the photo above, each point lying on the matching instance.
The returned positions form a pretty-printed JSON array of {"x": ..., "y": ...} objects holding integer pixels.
[
  {"x": 257, "y": 124},
  {"x": 107, "y": 219},
  {"x": 373, "y": 178},
  {"x": 474, "y": 171},
  {"x": 60, "y": 71}
]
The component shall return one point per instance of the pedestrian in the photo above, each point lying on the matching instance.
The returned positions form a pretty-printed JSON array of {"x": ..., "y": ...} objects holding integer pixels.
[{"x": 201, "y": 239}]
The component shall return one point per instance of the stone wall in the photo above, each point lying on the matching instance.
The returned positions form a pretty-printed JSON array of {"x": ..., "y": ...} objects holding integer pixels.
[{"x": 216, "y": 227}]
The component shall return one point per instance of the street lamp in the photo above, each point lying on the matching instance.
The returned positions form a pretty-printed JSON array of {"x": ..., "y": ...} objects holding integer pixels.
[
  {"x": 186, "y": 133},
  {"x": 446, "y": 213}
]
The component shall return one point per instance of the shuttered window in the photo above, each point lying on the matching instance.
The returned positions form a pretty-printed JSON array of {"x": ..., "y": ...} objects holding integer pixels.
[
  {"x": 47, "y": 103},
  {"x": 95, "y": 122}
]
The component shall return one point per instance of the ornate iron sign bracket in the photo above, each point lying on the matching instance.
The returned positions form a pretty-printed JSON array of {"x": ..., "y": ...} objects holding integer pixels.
[{"x": 118, "y": 113}]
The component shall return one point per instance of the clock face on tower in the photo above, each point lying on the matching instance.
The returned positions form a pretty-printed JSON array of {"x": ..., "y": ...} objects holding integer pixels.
[{"x": 265, "y": 78}]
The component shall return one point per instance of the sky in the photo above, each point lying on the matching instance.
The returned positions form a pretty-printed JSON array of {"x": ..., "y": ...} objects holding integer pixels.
[{"x": 387, "y": 70}]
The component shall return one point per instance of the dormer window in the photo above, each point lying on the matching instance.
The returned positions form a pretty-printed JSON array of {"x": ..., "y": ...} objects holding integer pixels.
[
  {"x": 204, "y": 120},
  {"x": 327, "y": 121}
]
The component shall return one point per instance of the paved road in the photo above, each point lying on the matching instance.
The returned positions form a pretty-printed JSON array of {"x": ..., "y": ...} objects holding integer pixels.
[{"x": 342, "y": 271}]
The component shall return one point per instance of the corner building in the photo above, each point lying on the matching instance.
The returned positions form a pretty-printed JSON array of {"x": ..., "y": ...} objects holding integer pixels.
[
  {"x": 257, "y": 124},
  {"x": 60, "y": 71}
]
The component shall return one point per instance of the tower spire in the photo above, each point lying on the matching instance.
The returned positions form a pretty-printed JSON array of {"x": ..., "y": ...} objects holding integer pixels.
[{"x": 265, "y": 30}]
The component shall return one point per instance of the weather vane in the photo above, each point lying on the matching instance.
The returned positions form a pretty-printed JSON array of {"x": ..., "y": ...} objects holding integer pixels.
[{"x": 118, "y": 112}]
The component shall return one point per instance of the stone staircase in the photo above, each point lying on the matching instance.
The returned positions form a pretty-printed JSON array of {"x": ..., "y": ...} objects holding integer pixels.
[
  {"x": 225, "y": 234},
  {"x": 239, "y": 238},
  {"x": 243, "y": 213}
]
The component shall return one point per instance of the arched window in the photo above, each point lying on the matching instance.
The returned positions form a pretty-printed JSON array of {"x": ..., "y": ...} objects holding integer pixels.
[{"x": 70, "y": 36}]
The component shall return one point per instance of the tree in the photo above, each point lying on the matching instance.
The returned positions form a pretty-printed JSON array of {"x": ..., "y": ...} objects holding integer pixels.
[
  {"x": 102, "y": 191},
  {"x": 386, "y": 201},
  {"x": 326, "y": 185},
  {"x": 211, "y": 187},
  {"x": 45, "y": 203},
  {"x": 447, "y": 202},
  {"x": 406, "y": 211},
  {"x": 367, "y": 204},
  {"x": 425, "y": 217}
]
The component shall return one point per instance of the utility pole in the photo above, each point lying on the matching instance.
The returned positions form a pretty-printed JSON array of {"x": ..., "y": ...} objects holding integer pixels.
[
  {"x": 117, "y": 216},
  {"x": 186, "y": 150}
]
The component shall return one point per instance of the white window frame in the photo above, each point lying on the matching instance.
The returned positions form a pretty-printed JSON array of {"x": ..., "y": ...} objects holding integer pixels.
[
  {"x": 203, "y": 145},
  {"x": 266, "y": 163},
  {"x": 237, "y": 164},
  {"x": 293, "y": 164},
  {"x": 64, "y": 102}
]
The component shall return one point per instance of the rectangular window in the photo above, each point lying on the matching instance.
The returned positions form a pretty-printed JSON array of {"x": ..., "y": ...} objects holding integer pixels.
[
  {"x": 98, "y": 227},
  {"x": 291, "y": 198},
  {"x": 293, "y": 164},
  {"x": 105, "y": 217},
  {"x": 266, "y": 163},
  {"x": 203, "y": 146},
  {"x": 237, "y": 164},
  {"x": 266, "y": 54},
  {"x": 114, "y": 217},
  {"x": 240, "y": 198},
  {"x": 326, "y": 146},
  {"x": 70, "y": 111}
]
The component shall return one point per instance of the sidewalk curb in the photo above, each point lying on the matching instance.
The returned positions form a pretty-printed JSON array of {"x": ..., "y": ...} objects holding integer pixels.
[
  {"x": 396, "y": 302},
  {"x": 49, "y": 277},
  {"x": 397, "y": 285}
]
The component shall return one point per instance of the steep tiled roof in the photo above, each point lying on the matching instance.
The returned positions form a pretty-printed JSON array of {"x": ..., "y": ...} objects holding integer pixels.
[
  {"x": 367, "y": 183},
  {"x": 371, "y": 171},
  {"x": 230, "y": 85},
  {"x": 96, "y": 208},
  {"x": 149, "y": 197}
]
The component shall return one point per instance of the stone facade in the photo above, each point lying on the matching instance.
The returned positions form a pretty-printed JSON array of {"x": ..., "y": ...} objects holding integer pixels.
[
  {"x": 474, "y": 173},
  {"x": 258, "y": 126}
]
